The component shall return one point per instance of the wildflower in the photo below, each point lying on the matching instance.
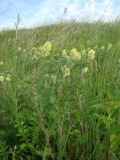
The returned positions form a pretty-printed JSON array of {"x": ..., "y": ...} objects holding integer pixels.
[
  {"x": 47, "y": 47},
  {"x": 64, "y": 53},
  {"x": 1, "y": 79},
  {"x": 1, "y": 63},
  {"x": 74, "y": 54},
  {"x": 85, "y": 70},
  {"x": 8, "y": 78},
  {"x": 91, "y": 54},
  {"x": 65, "y": 71},
  {"x": 83, "y": 52}
]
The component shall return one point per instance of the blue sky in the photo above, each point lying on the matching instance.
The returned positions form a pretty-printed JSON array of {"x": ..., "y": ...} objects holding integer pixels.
[{"x": 40, "y": 12}]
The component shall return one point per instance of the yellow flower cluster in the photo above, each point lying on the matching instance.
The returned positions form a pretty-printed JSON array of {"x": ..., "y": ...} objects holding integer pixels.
[
  {"x": 65, "y": 71},
  {"x": 7, "y": 78},
  {"x": 41, "y": 51},
  {"x": 91, "y": 54},
  {"x": 46, "y": 48},
  {"x": 64, "y": 54},
  {"x": 1, "y": 79},
  {"x": 74, "y": 54}
]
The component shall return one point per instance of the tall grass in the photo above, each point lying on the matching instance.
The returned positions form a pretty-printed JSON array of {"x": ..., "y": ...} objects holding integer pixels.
[{"x": 45, "y": 114}]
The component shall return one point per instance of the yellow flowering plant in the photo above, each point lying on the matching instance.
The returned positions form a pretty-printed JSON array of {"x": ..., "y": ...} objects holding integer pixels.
[
  {"x": 1, "y": 78},
  {"x": 91, "y": 54},
  {"x": 8, "y": 78},
  {"x": 65, "y": 71},
  {"x": 74, "y": 54},
  {"x": 46, "y": 48},
  {"x": 65, "y": 54}
]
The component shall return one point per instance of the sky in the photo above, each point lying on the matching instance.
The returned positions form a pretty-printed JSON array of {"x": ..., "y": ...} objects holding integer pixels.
[{"x": 40, "y": 12}]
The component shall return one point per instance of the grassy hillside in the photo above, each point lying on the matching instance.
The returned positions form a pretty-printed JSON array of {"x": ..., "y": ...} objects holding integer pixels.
[{"x": 60, "y": 92}]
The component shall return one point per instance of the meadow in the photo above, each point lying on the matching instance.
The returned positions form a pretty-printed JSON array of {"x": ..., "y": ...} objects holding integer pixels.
[{"x": 60, "y": 92}]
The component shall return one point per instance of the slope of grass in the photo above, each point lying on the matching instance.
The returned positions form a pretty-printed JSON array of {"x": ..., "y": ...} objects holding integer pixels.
[{"x": 53, "y": 106}]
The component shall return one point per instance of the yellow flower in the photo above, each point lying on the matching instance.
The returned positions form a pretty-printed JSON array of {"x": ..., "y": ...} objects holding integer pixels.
[
  {"x": 91, "y": 54},
  {"x": 65, "y": 71},
  {"x": 1, "y": 63},
  {"x": 47, "y": 47},
  {"x": 8, "y": 79},
  {"x": 64, "y": 53},
  {"x": 74, "y": 54},
  {"x": 85, "y": 70},
  {"x": 1, "y": 79}
]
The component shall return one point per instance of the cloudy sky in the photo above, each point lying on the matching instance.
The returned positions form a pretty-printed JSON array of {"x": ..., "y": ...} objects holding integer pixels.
[{"x": 39, "y": 12}]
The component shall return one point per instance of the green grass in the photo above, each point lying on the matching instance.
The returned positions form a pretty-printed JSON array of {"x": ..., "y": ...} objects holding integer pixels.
[{"x": 47, "y": 115}]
